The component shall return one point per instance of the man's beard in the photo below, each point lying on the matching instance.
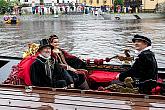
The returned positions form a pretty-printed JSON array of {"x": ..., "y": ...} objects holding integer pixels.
[{"x": 46, "y": 54}]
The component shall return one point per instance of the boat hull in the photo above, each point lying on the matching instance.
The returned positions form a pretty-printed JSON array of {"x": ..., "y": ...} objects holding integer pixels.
[
  {"x": 17, "y": 97},
  {"x": 23, "y": 97},
  {"x": 12, "y": 22}
]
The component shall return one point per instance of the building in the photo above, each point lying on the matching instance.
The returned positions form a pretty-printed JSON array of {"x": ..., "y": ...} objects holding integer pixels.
[
  {"x": 150, "y": 5},
  {"x": 46, "y": 5},
  {"x": 142, "y": 5},
  {"x": 129, "y": 5},
  {"x": 45, "y": 2},
  {"x": 133, "y": 5},
  {"x": 97, "y": 3}
]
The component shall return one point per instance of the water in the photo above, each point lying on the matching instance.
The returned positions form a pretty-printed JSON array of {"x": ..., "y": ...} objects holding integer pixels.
[{"x": 86, "y": 36}]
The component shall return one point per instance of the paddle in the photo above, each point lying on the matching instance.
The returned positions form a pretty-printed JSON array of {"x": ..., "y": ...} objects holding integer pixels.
[
  {"x": 99, "y": 61},
  {"x": 125, "y": 58}
]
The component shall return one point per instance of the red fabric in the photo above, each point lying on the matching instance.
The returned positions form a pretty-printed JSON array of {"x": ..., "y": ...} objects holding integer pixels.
[
  {"x": 67, "y": 55},
  {"x": 103, "y": 76},
  {"x": 157, "y": 89},
  {"x": 24, "y": 69}
]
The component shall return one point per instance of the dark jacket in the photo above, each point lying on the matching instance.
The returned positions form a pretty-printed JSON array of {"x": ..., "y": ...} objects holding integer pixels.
[
  {"x": 39, "y": 75},
  {"x": 144, "y": 68}
]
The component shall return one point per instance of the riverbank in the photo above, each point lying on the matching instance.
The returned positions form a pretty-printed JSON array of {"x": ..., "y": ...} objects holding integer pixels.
[
  {"x": 123, "y": 16},
  {"x": 105, "y": 16},
  {"x": 56, "y": 17}
]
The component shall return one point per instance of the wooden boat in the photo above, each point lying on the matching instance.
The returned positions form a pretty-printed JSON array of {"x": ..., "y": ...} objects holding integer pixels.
[
  {"x": 17, "y": 97},
  {"x": 22, "y": 97}
]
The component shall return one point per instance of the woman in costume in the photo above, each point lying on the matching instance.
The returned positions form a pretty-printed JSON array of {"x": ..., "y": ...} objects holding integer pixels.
[{"x": 74, "y": 66}]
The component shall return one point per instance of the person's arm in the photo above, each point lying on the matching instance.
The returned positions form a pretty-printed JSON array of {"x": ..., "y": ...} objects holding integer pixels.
[
  {"x": 67, "y": 55},
  {"x": 123, "y": 75},
  {"x": 147, "y": 66},
  {"x": 74, "y": 61},
  {"x": 134, "y": 70},
  {"x": 60, "y": 73},
  {"x": 138, "y": 69},
  {"x": 34, "y": 74}
]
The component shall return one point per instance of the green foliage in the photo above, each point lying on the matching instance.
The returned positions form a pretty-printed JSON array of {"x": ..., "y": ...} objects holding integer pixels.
[
  {"x": 118, "y": 2},
  {"x": 3, "y": 3},
  {"x": 14, "y": 2},
  {"x": 3, "y": 6}
]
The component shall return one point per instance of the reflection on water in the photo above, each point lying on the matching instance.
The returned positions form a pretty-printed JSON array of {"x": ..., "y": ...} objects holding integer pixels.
[{"x": 87, "y": 38}]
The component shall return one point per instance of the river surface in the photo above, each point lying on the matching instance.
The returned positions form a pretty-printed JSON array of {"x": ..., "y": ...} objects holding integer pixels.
[{"x": 86, "y": 36}]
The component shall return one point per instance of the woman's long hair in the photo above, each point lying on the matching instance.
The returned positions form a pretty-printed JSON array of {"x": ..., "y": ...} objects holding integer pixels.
[{"x": 52, "y": 37}]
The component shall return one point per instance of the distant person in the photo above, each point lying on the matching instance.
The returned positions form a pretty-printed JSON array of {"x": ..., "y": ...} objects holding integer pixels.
[
  {"x": 6, "y": 17},
  {"x": 36, "y": 9},
  {"x": 42, "y": 10},
  {"x": 20, "y": 11},
  {"x": 66, "y": 10}
]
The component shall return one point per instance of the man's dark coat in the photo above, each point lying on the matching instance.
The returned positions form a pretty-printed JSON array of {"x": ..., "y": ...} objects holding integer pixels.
[
  {"x": 40, "y": 78},
  {"x": 144, "y": 68}
]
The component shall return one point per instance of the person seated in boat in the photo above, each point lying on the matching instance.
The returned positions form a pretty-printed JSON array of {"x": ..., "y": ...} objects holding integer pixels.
[
  {"x": 74, "y": 66},
  {"x": 145, "y": 65},
  {"x": 6, "y": 17},
  {"x": 45, "y": 71}
]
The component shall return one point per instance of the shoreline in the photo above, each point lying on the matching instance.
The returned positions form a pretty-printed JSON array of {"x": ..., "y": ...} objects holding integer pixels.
[{"x": 90, "y": 16}]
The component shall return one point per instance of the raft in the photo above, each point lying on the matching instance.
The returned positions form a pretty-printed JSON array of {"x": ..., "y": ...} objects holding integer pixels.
[{"x": 12, "y": 21}]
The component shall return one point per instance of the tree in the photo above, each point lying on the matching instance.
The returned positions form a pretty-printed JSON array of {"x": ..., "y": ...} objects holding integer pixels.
[
  {"x": 118, "y": 2},
  {"x": 14, "y": 2},
  {"x": 3, "y": 6}
]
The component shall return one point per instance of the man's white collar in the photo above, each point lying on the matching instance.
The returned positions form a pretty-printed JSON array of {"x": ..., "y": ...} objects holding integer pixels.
[{"x": 147, "y": 48}]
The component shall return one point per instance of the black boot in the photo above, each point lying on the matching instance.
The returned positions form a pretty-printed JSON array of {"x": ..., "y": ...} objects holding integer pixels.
[{"x": 84, "y": 86}]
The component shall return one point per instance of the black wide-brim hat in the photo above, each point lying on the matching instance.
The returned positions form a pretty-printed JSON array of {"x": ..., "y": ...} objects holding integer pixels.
[
  {"x": 143, "y": 38},
  {"x": 44, "y": 43}
]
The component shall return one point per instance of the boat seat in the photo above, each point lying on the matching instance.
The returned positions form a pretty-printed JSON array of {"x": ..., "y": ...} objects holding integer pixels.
[
  {"x": 102, "y": 76},
  {"x": 157, "y": 89}
]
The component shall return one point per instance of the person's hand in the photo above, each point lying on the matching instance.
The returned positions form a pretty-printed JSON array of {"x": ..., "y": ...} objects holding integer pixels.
[
  {"x": 121, "y": 57},
  {"x": 71, "y": 86},
  {"x": 117, "y": 77},
  {"x": 71, "y": 69},
  {"x": 64, "y": 66}
]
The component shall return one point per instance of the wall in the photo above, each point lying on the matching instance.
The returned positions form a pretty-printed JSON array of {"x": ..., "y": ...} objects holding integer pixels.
[{"x": 150, "y": 4}]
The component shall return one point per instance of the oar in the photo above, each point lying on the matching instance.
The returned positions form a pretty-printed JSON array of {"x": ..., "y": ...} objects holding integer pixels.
[{"x": 99, "y": 61}]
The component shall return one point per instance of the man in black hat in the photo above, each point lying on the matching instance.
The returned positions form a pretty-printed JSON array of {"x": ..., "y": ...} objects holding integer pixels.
[
  {"x": 45, "y": 71},
  {"x": 145, "y": 65}
]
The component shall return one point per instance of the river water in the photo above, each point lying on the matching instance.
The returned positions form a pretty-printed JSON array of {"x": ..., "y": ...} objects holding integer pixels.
[{"x": 86, "y": 36}]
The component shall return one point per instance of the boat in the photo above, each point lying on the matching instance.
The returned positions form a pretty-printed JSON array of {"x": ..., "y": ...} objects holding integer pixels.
[
  {"x": 42, "y": 98},
  {"x": 95, "y": 68},
  {"x": 11, "y": 20},
  {"x": 23, "y": 97}
]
